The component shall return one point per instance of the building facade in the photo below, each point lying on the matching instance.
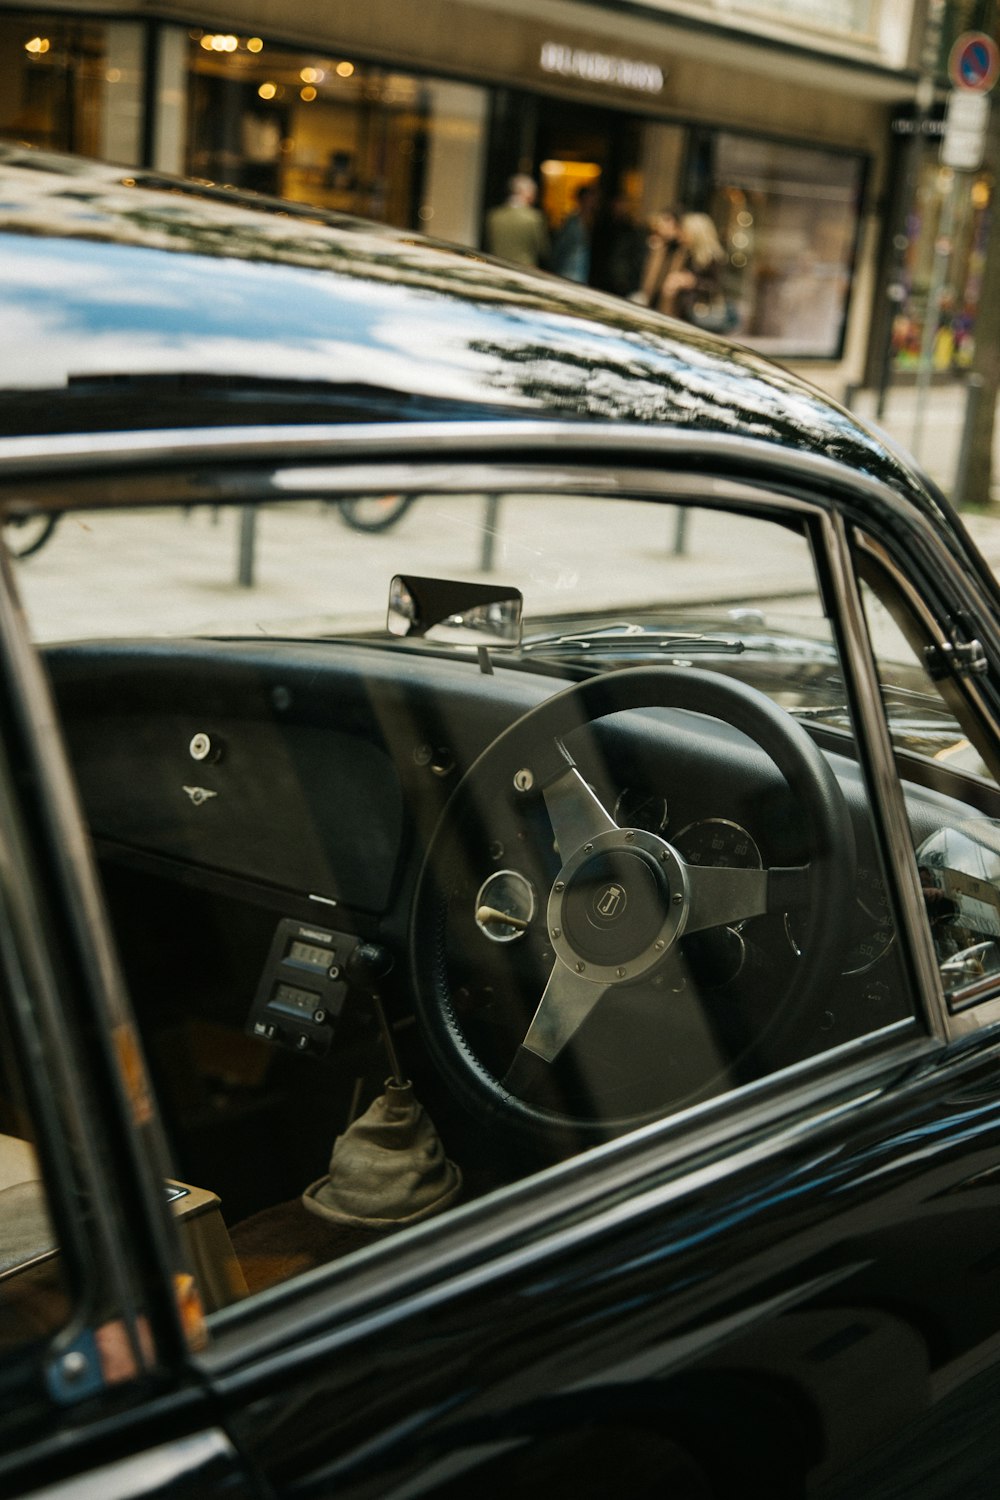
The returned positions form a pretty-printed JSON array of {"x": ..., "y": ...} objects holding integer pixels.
[{"x": 785, "y": 120}]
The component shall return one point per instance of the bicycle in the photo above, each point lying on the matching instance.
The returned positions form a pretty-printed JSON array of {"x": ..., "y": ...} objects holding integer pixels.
[
  {"x": 372, "y": 513},
  {"x": 25, "y": 535}
]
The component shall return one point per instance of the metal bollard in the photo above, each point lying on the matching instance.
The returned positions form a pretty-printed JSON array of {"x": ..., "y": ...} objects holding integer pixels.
[
  {"x": 247, "y": 546},
  {"x": 680, "y": 531},
  {"x": 490, "y": 519}
]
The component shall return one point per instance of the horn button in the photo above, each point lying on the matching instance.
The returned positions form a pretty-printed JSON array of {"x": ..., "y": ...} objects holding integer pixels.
[{"x": 618, "y": 904}]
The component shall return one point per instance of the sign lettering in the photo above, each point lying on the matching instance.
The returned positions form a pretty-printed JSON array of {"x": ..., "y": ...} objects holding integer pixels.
[{"x": 599, "y": 67}]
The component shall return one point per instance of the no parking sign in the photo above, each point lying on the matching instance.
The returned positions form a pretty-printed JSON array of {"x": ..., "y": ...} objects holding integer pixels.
[{"x": 974, "y": 62}]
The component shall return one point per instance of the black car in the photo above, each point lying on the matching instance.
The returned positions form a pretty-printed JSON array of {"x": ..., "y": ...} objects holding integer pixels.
[{"x": 501, "y": 1000}]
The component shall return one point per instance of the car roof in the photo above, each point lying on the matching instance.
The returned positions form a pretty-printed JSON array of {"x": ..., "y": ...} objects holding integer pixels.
[{"x": 131, "y": 299}]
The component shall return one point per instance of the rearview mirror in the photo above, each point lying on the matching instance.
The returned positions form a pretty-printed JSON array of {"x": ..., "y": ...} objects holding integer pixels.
[{"x": 446, "y": 609}]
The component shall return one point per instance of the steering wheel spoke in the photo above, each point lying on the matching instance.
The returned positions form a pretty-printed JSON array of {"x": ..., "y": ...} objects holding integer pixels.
[
  {"x": 566, "y": 1003},
  {"x": 575, "y": 812},
  {"x": 720, "y": 897}
]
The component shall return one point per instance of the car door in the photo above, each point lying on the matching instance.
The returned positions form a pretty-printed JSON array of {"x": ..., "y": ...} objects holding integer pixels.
[
  {"x": 713, "y": 1297},
  {"x": 795, "y": 1297}
]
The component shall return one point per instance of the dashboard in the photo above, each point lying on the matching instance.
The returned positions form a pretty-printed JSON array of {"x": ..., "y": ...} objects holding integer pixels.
[{"x": 262, "y": 814}]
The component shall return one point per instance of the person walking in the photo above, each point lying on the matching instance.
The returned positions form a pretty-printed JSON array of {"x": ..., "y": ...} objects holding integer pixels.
[{"x": 517, "y": 230}]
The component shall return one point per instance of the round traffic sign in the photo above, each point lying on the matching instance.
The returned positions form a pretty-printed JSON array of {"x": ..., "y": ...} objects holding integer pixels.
[{"x": 974, "y": 62}]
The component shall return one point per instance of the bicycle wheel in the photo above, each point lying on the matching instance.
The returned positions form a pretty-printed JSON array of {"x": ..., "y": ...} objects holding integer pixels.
[
  {"x": 23, "y": 535},
  {"x": 374, "y": 512}
]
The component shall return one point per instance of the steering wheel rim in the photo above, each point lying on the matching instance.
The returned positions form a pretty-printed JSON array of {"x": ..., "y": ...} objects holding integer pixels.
[{"x": 671, "y": 901}]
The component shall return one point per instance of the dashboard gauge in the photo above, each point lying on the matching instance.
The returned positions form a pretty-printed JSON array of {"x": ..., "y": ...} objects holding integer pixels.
[
  {"x": 720, "y": 952},
  {"x": 872, "y": 933},
  {"x": 638, "y": 809},
  {"x": 505, "y": 906},
  {"x": 717, "y": 841}
]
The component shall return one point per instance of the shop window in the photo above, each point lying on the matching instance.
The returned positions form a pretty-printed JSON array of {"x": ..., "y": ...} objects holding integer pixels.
[
  {"x": 72, "y": 85},
  {"x": 333, "y": 132},
  {"x": 788, "y": 219}
]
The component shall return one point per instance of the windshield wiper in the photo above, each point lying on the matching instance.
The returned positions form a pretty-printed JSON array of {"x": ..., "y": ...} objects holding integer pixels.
[{"x": 623, "y": 638}]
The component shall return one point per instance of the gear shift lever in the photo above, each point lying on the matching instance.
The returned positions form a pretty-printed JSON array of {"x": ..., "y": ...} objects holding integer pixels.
[
  {"x": 388, "y": 1168},
  {"x": 366, "y": 967}
]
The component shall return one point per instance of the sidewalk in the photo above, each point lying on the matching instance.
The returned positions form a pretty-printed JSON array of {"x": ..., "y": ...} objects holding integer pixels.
[
  {"x": 932, "y": 433},
  {"x": 927, "y": 425}
]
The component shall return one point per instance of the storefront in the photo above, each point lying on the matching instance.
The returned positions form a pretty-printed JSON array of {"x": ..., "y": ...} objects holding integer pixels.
[
  {"x": 318, "y": 128},
  {"x": 431, "y": 146},
  {"x": 788, "y": 213}
]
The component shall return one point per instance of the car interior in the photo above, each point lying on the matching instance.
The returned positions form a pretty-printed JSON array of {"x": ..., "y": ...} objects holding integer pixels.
[{"x": 527, "y": 820}]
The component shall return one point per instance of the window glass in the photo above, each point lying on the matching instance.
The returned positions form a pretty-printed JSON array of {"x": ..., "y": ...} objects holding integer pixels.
[
  {"x": 280, "y": 791},
  {"x": 955, "y": 824},
  {"x": 332, "y": 131},
  {"x": 788, "y": 220},
  {"x": 72, "y": 85},
  {"x": 321, "y": 564},
  {"x": 920, "y": 718}
]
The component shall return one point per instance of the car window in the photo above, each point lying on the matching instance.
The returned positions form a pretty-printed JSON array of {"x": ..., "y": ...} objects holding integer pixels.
[
  {"x": 922, "y": 720},
  {"x": 940, "y": 744},
  {"x": 407, "y": 920}
]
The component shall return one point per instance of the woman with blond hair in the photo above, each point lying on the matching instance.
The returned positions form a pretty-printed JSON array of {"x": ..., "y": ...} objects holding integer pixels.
[{"x": 683, "y": 275}]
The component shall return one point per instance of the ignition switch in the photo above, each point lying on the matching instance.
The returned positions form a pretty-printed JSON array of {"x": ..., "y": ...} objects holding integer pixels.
[{"x": 204, "y": 748}]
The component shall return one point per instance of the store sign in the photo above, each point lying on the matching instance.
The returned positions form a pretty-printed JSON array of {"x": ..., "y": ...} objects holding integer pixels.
[
  {"x": 965, "y": 130},
  {"x": 919, "y": 124},
  {"x": 600, "y": 67}
]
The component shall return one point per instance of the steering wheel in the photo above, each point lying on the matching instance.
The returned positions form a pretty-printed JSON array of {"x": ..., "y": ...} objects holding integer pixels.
[{"x": 618, "y": 903}]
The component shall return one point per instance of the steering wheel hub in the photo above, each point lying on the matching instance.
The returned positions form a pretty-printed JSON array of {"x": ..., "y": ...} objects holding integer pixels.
[{"x": 618, "y": 905}]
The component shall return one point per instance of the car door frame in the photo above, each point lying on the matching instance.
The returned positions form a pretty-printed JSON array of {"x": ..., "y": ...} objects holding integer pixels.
[{"x": 116, "y": 1376}]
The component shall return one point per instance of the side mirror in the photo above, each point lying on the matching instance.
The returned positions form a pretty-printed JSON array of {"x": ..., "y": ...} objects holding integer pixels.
[{"x": 446, "y": 609}]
